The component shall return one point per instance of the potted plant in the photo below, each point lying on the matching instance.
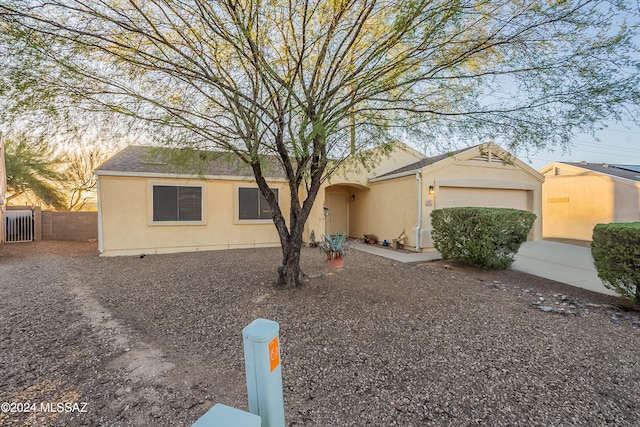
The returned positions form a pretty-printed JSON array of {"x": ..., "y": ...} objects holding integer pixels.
[
  {"x": 371, "y": 239},
  {"x": 335, "y": 248},
  {"x": 399, "y": 242}
]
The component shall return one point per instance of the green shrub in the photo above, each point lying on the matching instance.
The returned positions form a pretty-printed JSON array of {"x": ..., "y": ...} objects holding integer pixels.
[
  {"x": 482, "y": 237},
  {"x": 616, "y": 252}
]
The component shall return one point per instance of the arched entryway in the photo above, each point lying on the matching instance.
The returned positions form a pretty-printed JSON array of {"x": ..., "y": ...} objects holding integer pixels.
[{"x": 338, "y": 204}]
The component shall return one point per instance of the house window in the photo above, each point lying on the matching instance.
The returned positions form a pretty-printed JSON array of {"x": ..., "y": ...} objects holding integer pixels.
[
  {"x": 252, "y": 205},
  {"x": 177, "y": 203}
]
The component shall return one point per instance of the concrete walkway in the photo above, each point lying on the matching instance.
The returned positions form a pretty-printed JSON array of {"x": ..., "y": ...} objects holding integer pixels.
[
  {"x": 570, "y": 264},
  {"x": 399, "y": 256}
]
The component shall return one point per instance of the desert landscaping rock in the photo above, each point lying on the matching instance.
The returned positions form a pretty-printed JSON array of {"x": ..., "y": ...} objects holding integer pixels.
[{"x": 156, "y": 341}]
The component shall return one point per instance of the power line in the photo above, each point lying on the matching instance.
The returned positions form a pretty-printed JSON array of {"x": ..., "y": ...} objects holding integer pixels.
[
  {"x": 606, "y": 146},
  {"x": 620, "y": 130}
]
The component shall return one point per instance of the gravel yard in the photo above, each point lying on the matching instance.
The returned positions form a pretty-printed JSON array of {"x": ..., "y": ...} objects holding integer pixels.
[{"x": 156, "y": 341}]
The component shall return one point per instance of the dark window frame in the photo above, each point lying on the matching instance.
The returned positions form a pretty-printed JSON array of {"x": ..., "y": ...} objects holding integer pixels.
[
  {"x": 174, "y": 203},
  {"x": 259, "y": 210}
]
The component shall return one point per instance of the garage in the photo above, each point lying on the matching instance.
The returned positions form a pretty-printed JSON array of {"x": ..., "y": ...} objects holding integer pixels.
[{"x": 450, "y": 197}]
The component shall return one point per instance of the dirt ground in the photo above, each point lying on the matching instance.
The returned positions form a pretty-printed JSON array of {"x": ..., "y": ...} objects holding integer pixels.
[{"x": 156, "y": 341}]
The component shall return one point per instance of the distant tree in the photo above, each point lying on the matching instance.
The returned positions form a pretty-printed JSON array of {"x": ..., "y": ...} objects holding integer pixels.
[
  {"x": 80, "y": 181},
  {"x": 294, "y": 79},
  {"x": 33, "y": 171}
]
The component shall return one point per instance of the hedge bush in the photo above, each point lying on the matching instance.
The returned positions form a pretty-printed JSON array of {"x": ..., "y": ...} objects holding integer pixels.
[
  {"x": 616, "y": 253},
  {"x": 481, "y": 237}
]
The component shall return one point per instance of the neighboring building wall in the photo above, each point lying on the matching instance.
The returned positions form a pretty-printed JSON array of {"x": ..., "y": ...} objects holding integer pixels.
[
  {"x": 127, "y": 227},
  {"x": 69, "y": 226},
  {"x": 575, "y": 200},
  {"x": 627, "y": 201}
]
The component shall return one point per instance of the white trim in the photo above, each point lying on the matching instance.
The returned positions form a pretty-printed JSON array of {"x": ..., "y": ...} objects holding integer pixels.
[
  {"x": 236, "y": 204},
  {"x": 184, "y": 176},
  {"x": 396, "y": 175},
  {"x": 203, "y": 204},
  {"x": 100, "y": 235}
]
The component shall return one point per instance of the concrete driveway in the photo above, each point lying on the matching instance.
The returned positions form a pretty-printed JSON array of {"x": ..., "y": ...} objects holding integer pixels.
[
  {"x": 570, "y": 264},
  {"x": 565, "y": 263}
]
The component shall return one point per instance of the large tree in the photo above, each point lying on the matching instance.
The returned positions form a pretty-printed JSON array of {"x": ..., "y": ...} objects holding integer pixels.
[
  {"x": 292, "y": 78},
  {"x": 33, "y": 171}
]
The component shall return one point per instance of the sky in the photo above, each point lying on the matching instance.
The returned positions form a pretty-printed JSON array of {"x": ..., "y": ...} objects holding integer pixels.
[{"x": 619, "y": 144}]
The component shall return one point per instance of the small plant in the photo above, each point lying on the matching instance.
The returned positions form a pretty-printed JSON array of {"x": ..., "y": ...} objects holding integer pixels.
[
  {"x": 334, "y": 246},
  {"x": 370, "y": 238},
  {"x": 616, "y": 254},
  {"x": 399, "y": 242}
]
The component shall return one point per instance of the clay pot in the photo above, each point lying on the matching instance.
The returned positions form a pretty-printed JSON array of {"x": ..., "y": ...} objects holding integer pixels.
[{"x": 335, "y": 263}]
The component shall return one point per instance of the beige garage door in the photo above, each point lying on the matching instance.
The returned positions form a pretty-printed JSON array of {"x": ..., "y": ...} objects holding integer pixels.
[{"x": 451, "y": 197}]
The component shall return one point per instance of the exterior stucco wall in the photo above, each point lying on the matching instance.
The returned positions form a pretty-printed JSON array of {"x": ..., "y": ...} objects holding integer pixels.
[
  {"x": 127, "y": 227},
  {"x": 575, "y": 200},
  {"x": 353, "y": 180},
  {"x": 352, "y": 173},
  {"x": 385, "y": 209}
]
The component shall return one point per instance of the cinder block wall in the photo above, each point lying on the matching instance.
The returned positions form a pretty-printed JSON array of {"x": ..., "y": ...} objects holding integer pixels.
[{"x": 73, "y": 226}]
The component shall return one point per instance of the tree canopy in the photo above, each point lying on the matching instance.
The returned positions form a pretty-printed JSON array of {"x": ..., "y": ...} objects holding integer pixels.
[
  {"x": 33, "y": 171},
  {"x": 297, "y": 79}
]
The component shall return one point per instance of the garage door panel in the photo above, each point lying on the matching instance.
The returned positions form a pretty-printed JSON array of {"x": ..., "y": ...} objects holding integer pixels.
[{"x": 450, "y": 197}]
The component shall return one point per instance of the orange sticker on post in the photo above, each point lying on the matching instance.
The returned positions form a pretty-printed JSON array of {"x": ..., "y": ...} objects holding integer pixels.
[{"x": 274, "y": 354}]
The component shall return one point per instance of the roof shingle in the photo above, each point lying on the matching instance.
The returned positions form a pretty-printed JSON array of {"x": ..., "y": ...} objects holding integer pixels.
[
  {"x": 161, "y": 161},
  {"x": 424, "y": 162},
  {"x": 620, "y": 171}
]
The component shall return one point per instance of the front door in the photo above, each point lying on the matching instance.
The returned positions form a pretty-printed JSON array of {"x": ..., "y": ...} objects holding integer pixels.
[{"x": 336, "y": 221}]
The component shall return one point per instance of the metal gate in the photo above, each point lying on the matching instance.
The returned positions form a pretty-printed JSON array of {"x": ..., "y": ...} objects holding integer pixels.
[{"x": 19, "y": 226}]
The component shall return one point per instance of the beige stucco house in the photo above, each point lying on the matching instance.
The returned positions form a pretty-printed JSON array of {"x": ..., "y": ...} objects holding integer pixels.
[
  {"x": 577, "y": 196},
  {"x": 145, "y": 206}
]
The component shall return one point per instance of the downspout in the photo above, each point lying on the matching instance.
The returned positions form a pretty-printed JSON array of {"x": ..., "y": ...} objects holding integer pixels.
[
  {"x": 100, "y": 241},
  {"x": 419, "y": 226}
]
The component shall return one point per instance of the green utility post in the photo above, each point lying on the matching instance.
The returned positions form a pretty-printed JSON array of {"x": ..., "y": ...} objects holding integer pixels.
[{"x": 264, "y": 373}]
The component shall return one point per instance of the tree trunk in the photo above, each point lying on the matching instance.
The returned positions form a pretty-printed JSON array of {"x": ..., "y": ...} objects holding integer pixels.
[{"x": 290, "y": 274}]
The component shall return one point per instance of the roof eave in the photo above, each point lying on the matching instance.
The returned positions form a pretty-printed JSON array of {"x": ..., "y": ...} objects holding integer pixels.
[
  {"x": 161, "y": 175},
  {"x": 395, "y": 175}
]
